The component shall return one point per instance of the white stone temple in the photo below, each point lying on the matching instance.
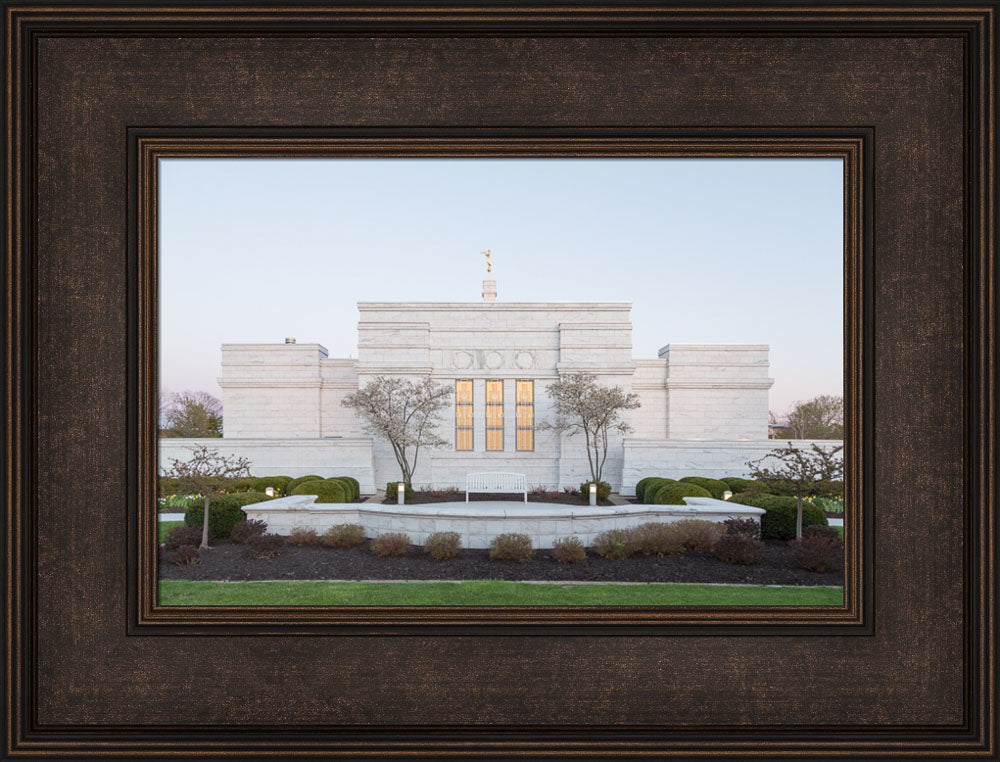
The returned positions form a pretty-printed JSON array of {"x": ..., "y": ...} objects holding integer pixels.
[{"x": 704, "y": 407}]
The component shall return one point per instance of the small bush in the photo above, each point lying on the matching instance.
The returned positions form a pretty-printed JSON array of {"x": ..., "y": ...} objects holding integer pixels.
[
  {"x": 184, "y": 555},
  {"x": 511, "y": 547},
  {"x": 571, "y": 490},
  {"x": 700, "y": 535},
  {"x": 279, "y": 483},
  {"x": 715, "y": 487},
  {"x": 603, "y": 490},
  {"x": 392, "y": 491},
  {"x": 817, "y": 553},
  {"x": 241, "y": 484},
  {"x": 538, "y": 491},
  {"x": 569, "y": 550},
  {"x": 391, "y": 544},
  {"x": 736, "y": 484},
  {"x": 225, "y": 512},
  {"x": 265, "y": 545},
  {"x": 344, "y": 536},
  {"x": 244, "y": 530},
  {"x": 674, "y": 493},
  {"x": 443, "y": 545},
  {"x": 778, "y": 521},
  {"x": 657, "y": 539},
  {"x": 745, "y": 527},
  {"x": 819, "y": 530},
  {"x": 615, "y": 544},
  {"x": 651, "y": 488},
  {"x": 738, "y": 549},
  {"x": 326, "y": 490},
  {"x": 303, "y": 537},
  {"x": 184, "y": 535}
]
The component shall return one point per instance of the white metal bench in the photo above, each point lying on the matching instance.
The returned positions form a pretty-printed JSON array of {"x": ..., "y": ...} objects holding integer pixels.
[{"x": 495, "y": 481}]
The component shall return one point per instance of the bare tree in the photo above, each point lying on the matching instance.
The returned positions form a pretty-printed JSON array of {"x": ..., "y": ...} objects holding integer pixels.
[
  {"x": 191, "y": 414},
  {"x": 821, "y": 417},
  {"x": 803, "y": 471},
  {"x": 403, "y": 412},
  {"x": 206, "y": 473},
  {"x": 582, "y": 405}
]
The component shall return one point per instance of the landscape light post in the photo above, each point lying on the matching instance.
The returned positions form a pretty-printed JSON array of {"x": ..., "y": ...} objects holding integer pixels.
[
  {"x": 593, "y": 493},
  {"x": 726, "y": 495},
  {"x": 400, "y": 493}
]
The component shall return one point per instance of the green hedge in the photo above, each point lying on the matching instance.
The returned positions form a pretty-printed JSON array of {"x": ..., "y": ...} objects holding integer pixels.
[
  {"x": 651, "y": 488},
  {"x": 674, "y": 493},
  {"x": 326, "y": 490},
  {"x": 640, "y": 486},
  {"x": 778, "y": 523},
  {"x": 300, "y": 480},
  {"x": 354, "y": 483},
  {"x": 736, "y": 484},
  {"x": 280, "y": 483},
  {"x": 224, "y": 511},
  {"x": 715, "y": 487}
]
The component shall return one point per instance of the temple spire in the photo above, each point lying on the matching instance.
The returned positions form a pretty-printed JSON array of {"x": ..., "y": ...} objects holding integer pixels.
[{"x": 489, "y": 285}]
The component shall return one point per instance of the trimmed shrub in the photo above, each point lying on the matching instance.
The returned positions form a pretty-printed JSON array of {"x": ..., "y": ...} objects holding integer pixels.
[
  {"x": 700, "y": 535},
  {"x": 392, "y": 490},
  {"x": 326, "y": 490},
  {"x": 344, "y": 536},
  {"x": 657, "y": 539},
  {"x": 511, "y": 547},
  {"x": 265, "y": 545},
  {"x": 244, "y": 530},
  {"x": 303, "y": 537},
  {"x": 184, "y": 555},
  {"x": 778, "y": 523},
  {"x": 168, "y": 486},
  {"x": 640, "y": 486},
  {"x": 674, "y": 494},
  {"x": 224, "y": 512},
  {"x": 615, "y": 544},
  {"x": 652, "y": 487},
  {"x": 280, "y": 484},
  {"x": 817, "y": 553},
  {"x": 184, "y": 535},
  {"x": 391, "y": 544},
  {"x": 443, "y": 545},
  {"x": 355, "y": 486},
  {"x": 569, "y": 550},
  {"x": 715, "y": 487},
  {"x": 603, "y": 490},
  {"x": 738, "y": 549},
  {"x": 746, "y": 527},
  {"x": 736, "y": 484},
  {"x": 819, "y": 530},
  {"x": 300, "y": 480}
]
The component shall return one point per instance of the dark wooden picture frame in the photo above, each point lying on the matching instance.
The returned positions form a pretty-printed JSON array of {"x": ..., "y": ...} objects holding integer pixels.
[{"x": 906, "y": 93}]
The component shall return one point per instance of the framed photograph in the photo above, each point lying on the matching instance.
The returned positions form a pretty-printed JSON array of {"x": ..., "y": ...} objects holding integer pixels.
[{"x": 295, "y": 463}]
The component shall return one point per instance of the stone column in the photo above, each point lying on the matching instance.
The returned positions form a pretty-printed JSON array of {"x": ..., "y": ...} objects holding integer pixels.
[{"x": 489, "y": 290}]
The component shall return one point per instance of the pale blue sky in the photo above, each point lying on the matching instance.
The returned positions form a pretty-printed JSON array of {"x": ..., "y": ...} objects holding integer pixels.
[{"x": 707, "y": 250}]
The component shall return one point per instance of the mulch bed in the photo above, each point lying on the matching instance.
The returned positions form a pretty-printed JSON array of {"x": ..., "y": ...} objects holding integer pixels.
[
  {"x": 230, "y": 561},
  {"x": 562, "y": 498}
]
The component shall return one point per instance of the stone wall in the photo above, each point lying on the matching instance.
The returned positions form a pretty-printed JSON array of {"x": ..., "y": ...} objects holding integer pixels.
[
  {"x": 676, "y": 459},
  {"x": 288, "y": 457}
]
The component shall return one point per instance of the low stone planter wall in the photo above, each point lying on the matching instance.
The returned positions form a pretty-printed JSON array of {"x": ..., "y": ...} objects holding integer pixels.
[{"x": 478, "y": 523}]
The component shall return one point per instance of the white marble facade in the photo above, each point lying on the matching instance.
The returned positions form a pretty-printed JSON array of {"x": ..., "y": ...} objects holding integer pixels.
[{"x": 709, "y": 397}]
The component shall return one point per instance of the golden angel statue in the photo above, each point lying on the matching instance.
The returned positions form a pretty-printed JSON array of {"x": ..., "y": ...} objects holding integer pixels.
[{"x": 489, "y": 264}]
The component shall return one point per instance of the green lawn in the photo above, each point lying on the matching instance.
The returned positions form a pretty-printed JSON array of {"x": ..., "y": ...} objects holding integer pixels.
[
  {"x": 486, "y": 593},
  {"x": 166, "y": 526}
]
